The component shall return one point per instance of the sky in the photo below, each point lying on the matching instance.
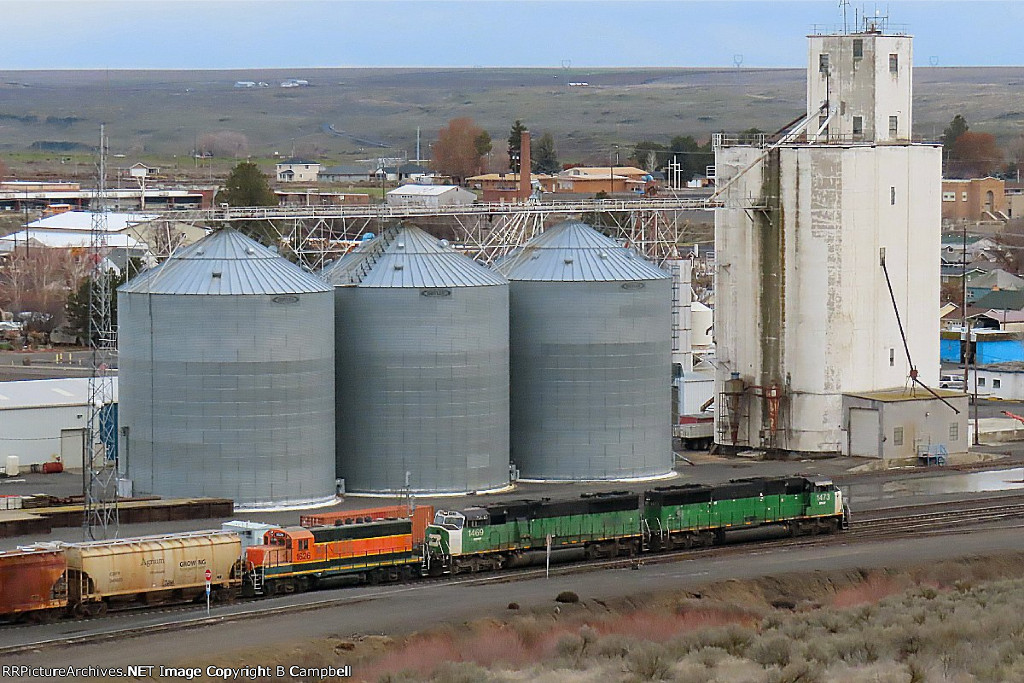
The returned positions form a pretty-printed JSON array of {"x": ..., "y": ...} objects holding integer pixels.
[{"x": 240, "y": 34}]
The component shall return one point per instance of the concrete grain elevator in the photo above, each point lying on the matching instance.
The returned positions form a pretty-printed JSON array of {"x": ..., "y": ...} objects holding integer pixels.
[{"x": 804, "y": 317}]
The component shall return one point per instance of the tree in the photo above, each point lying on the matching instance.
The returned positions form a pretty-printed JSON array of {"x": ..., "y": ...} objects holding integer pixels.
[
  {"x": 77, "y": 307},
  {"x": 692, "y": 157},
  {"x": 642, "y": 152},
  {"x": 482, "y": 144},
  {"x": 544, "y": 158},
  {"x": 246, "y": 185},
  {"x": 224, "y": 143},
  {"x": 956, "y": 128},
  {"x": 975, "y": 155},
  {"x": 515, "y": 145},
  {"x": 458, "y": 151}
]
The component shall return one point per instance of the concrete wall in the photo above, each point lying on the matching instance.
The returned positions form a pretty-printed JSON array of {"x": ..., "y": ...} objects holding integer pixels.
[
  {"x": 862, "y": 87},
  {"x": 801, "y": 298}
]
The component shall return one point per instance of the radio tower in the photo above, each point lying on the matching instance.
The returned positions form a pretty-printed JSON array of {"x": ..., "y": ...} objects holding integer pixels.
[{"x": 99, "y": 465}]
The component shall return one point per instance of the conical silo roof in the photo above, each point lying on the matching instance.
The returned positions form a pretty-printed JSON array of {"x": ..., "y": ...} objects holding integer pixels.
[
  {"x": 405, "y": 256},
  {"x": 226, "y": 262},
  {"x": 575, "y": 252}
]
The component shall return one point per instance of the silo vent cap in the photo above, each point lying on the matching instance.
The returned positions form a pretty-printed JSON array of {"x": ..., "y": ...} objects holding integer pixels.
[
  {"x": 400, "y": 245},
  {"x": 568, "y": 260},
  {"x": 603, "y": 254},
  {"x": 398, "y": 266},
  {"x": 216, "y": 273},
  {"x": 443, "y": 244},
  {"x": 250, "y": 251},
  {"x": 200, "y": 251}
]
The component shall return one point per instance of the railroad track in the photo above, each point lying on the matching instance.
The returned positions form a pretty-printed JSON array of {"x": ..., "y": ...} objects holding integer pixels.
[{"x": 983, "y": 511}]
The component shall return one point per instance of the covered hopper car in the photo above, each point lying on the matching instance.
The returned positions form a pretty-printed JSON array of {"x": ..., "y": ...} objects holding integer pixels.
[
  {"x": 33, "y": 583},
  {"x": 610, "y": 524},
  {"x": 148, "y": 569}
]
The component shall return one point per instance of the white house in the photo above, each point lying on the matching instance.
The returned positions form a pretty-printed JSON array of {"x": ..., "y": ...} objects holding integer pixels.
[
  {"x": 430, "y": 195},
  {"x": 44, "y": 420},
  {"x": 298, "y": 171}
]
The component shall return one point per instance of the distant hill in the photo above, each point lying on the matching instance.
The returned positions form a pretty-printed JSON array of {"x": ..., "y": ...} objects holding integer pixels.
[{"x": 341, "y": 112}]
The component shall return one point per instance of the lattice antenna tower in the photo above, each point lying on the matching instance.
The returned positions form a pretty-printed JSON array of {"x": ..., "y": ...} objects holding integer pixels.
[{"x": 100, "y": 518}]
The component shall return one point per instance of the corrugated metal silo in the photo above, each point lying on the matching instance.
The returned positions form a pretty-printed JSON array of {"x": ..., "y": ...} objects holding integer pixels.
[
  {"x": 226, "y": 354},
  {"x": 590, "y": 347},
  {"x": 422, "y": 367}
]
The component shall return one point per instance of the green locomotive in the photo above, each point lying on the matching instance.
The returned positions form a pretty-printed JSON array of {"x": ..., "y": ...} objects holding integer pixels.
[{"x": 616, "y": 523}]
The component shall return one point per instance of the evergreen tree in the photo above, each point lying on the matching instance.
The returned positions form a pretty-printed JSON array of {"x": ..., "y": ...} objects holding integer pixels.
[
  {"x": 515, "y": 145},
  {"x": 957, "y": 127},
  {"x": 544, "y": 158},
  {"x": 246, "y": 185}
]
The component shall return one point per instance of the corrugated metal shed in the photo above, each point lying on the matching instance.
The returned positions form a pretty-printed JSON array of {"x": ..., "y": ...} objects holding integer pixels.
[
  {"x": 225, "y": 262},
  {"x": 575, "y": 252},
  {"x": 405, "y": 256}
]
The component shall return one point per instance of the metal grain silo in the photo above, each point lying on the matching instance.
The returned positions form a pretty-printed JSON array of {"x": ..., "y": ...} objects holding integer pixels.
[
  {"x": 422, "y": 367},
  {"x": 226, "y": 354},
  {"x": 590, "y": 341}
]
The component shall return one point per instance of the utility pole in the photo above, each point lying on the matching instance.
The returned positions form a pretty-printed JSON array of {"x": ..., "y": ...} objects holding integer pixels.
[
  {"x": 963, "y": 311},
  {"x": 99, "y": 465}
]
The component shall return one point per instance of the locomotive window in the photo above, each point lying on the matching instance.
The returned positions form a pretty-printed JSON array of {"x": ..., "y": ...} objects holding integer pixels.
[
  {"x": 455, "y": 520},
  {"x": 475, "y": 523},
  {"x": 304, "y": 544}
]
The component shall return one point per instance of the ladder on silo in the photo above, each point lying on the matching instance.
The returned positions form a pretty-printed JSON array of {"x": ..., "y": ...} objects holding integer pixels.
[{"x": 387, "y": 236}]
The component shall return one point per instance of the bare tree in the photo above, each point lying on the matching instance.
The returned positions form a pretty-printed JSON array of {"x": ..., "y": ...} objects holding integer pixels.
[
  {"x": 459, "y": 149},
  {"x": 224, "y": 143},
  {"x": 39, "y": 280}
]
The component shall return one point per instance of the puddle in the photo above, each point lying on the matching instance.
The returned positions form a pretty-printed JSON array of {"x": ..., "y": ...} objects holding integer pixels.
[{"x": 973, "y": 482}]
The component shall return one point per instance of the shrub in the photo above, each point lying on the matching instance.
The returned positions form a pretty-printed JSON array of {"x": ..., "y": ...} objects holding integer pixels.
[
  {"x": 770, "y": 651},
  {"x": 648, "y": 663},
  {"x": 567, "y": 597}
]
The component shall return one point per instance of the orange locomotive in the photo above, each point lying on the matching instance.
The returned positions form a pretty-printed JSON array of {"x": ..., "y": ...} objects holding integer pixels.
[{"x": 295, "y": 559}]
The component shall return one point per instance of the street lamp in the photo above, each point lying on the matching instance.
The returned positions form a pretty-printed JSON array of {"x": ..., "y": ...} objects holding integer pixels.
[{"x": 611, "y": 170}]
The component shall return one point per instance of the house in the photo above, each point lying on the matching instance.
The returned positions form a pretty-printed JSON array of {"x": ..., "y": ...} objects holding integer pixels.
[
  {"x": 594, "y": 179},
  {"x": 343, "y": 174},
  {"x": 430, "y": 195},
  {"x": 401, "y": 172},
  {"x": 980, "y": 284},
  {"x": 504, "y": 187},
  {"x": 977, "y": 199},
  {"x": 298, "y": 171}
]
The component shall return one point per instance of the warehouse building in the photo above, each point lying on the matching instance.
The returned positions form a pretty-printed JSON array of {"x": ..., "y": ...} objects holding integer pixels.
[{"x": 44, "y": 420}]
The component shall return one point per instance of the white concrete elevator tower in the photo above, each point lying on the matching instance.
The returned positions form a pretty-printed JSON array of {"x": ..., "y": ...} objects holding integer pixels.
[{"x": 803, "y": 313}]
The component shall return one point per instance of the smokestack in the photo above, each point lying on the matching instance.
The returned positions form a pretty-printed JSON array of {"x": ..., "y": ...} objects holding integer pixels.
[{"x": 524, "y": 167}]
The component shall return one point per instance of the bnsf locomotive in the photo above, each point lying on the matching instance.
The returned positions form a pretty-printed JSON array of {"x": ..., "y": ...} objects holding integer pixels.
[
  {"x": 49, "y": 580},
  {"x": 611, "y": 524}
]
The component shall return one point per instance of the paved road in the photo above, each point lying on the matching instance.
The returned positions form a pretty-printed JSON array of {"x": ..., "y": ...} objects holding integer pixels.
[
  {"x": 51, "y": 364},
  {"x": 377, "y": 610}
]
